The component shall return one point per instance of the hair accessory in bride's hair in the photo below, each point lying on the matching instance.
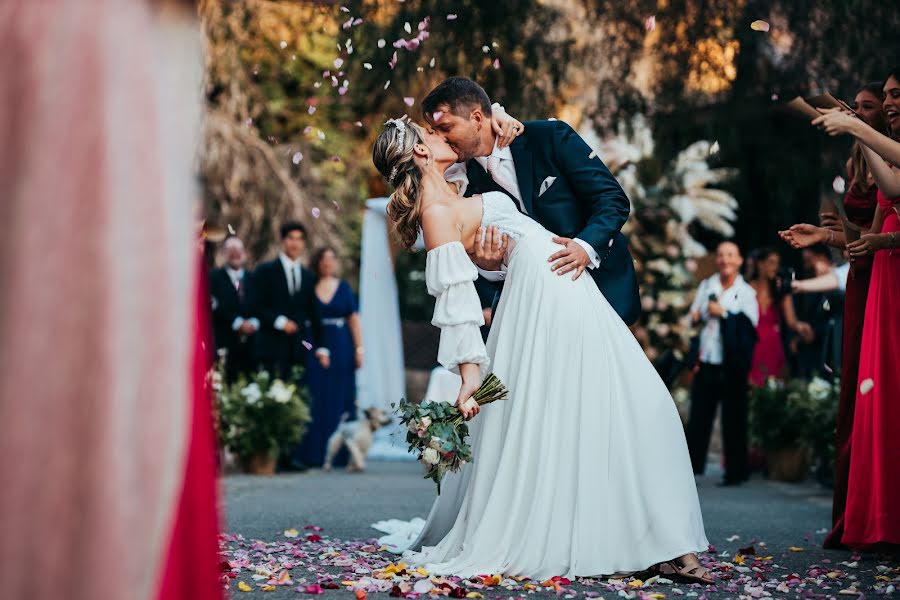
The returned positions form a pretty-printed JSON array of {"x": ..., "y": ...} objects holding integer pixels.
[{"x": 400, "y": 124}]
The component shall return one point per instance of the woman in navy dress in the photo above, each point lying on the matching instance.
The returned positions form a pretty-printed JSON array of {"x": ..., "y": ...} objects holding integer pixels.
[{"x": 333, "y": 390}]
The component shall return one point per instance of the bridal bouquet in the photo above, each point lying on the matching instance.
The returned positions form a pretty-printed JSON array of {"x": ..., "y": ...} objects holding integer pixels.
[{"x": 438, "y": 431}]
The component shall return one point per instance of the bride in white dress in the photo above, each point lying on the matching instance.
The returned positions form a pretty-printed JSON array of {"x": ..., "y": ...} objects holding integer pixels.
[{"x": 584, "y": 469}]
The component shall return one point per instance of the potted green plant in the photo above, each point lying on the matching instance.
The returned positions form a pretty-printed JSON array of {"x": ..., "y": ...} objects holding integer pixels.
[
  {"x": 779, "y": 421},
  {"x": 260, "y": 417},
  {"x": 823, "y": 397}
]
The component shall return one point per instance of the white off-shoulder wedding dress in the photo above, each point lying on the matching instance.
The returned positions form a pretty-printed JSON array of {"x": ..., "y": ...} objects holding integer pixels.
[{"x": 584, "y": 469}]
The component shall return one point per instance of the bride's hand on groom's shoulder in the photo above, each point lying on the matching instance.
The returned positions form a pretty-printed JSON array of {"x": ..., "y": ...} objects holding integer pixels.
[{"x": 506, "y": 127}]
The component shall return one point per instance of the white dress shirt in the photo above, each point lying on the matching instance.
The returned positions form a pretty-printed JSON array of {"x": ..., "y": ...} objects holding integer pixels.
[
  {"x": 294, "y": 273},
  {"x": 458, "y": 174},
  {"x": 841, "y": 273},
  {"x": 237, "y": 280},
  {"x": 739, "y": 298}
]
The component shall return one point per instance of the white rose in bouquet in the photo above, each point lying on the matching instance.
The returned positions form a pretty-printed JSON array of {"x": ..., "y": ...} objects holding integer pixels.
[
  {"x": 252, "y": 393},
  {"x": 818, "y": 388},
  {"x": 430, "y": 456},
  {"x": 281, "y": 393},
  {"x": 435, "y": 443},
  {"x": 413, "y": 426},
  {"x": 425, "y": 423}
]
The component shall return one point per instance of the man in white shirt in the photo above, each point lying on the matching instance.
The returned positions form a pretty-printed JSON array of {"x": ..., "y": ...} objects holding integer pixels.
[{"x": 721, "y": 374}]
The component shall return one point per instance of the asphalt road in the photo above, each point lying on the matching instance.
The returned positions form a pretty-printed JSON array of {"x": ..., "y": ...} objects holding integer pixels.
[{"x": 784, "y": 521}]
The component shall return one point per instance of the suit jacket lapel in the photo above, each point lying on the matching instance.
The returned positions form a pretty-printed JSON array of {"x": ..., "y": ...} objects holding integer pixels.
[
  {"x": 524, "y": 170},
  {"x": 479, "y": 180}
]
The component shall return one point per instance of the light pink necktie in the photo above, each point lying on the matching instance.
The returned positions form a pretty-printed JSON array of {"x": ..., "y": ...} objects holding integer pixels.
[{"x": 493, "y": 168}]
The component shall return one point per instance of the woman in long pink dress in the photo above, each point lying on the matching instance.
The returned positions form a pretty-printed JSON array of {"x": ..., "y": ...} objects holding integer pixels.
[
  {"x": 872, "y": 514},
  {"x": 774, "y": 310}
]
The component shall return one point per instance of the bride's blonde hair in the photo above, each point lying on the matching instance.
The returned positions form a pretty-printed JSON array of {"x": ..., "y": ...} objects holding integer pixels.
[{"x": 393, "y": 157}]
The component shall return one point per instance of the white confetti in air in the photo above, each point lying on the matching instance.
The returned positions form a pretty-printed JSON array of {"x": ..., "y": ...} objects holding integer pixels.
[
  {"x": 368, "y": 66},
  {"x": 358, "y": 123},
  {"x": 496, "y": 63},
  {"x": 650, "y": 23},
  {"x": 409, "y": 101},
  {"x": 283, "y": 44},
  {"x": 407, "y": 28},
  {"x": 231, "y": 230},
  {"x": 828, "y": 370},
  {"x": 298, "y": 156},
  {"x": 733, "y": 538},
  {"x": 714, "y": 149},
  {"x": 312, "y": 110},
  {"x": 437, "y": 116},
  {"x": 485, "y": 49},
  {"x": 759, "y": 25},
  {"x": 338, "y": 63},
  {"x": 839, "y": 185},
  {"x": 306, "y": 345},
  {"x": 336, "y": 205},
  {"x": 593, "y": 154},
  {"x": 866, "y": 386},
  {"x": 345, "y": 9},
  {"x": 342, "y": 90},
  {"x": 431, "y": 62},
  {"x": 774, "y": 97},
  {"x": 393, "y": 61},
  {"x": 321, "y": 134},
  {"x": 381, "y": 43},
  {"x": 451, "y": 17},
  {"x": 316, "y": 212},
  {"x": 387, "y": 83},
  {"x": 307, "y": 129}
]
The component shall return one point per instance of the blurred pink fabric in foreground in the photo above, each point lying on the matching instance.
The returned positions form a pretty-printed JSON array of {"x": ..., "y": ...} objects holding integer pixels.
[{"x": 100, "y": 112}]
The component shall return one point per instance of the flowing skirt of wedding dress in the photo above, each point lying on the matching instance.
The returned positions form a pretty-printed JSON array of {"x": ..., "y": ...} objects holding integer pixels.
[{"x": 584, "y": 469}]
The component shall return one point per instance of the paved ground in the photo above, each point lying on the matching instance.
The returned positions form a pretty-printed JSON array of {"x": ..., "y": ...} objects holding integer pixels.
[{"x": 783, "y": 521}]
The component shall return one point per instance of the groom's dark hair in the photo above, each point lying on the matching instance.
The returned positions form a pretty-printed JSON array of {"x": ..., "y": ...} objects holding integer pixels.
[{"x": 461, "y": 94}]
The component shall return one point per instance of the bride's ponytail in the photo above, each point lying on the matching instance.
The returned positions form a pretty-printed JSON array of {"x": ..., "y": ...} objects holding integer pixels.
[{"x": 393, "y": 157}]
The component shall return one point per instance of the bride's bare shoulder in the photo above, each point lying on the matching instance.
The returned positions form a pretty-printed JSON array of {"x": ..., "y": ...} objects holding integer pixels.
[{"x": 440, "y": 224}]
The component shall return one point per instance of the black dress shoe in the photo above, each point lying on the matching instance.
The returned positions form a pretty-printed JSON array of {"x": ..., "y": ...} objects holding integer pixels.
[
  {"x": 293, "y": 467},
  {"x": 730, "y": 482}
]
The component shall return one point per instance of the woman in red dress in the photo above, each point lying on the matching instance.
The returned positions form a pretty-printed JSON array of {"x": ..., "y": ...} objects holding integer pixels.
[
  {"x": 860, "y": 203},
  {"x": 872, "y": 513},
  {"x": 775, "y": 309}
]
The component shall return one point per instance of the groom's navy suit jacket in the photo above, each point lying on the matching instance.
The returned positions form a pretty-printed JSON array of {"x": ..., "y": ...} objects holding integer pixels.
[{"x": 585, "y": 201}]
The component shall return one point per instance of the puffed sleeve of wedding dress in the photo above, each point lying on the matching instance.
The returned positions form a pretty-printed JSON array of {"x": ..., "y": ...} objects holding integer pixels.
[{"x": 450, "y": 277}]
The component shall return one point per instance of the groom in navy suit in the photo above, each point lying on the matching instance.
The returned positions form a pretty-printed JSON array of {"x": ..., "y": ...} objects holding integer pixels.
[{"x": 554, "y": 178}]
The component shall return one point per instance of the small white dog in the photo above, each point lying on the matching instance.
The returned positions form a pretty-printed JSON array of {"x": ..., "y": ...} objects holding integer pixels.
[{"x": 357, "y": 436}]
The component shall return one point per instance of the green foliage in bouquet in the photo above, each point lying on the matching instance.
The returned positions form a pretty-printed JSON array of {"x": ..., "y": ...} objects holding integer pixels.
[
  {"x": 261, "y": 414},
  {"x": 438, "y": 431},
  {"x": 794, "y": 414}
]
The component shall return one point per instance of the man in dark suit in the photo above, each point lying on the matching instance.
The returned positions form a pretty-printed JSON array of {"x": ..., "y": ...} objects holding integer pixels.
[
  {"x": 234, "y": 327},
  {"x": 553, "y": 177},
  {"x": 284, "y": 300}
]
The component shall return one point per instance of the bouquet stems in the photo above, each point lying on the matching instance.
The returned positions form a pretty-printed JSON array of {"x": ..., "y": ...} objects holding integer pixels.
[{"x": 491, "y": 390}]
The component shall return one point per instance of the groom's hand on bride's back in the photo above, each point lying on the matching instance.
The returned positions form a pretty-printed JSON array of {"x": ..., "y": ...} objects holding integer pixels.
[
  {"x": 571, "y": 258},
  {"x": 490, "y": 247}
]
